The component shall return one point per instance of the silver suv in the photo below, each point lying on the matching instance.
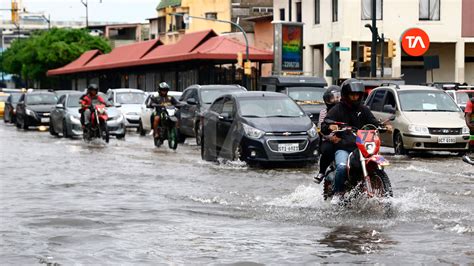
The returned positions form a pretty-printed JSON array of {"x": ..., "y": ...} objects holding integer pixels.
[{"x": 427, "y": 119}]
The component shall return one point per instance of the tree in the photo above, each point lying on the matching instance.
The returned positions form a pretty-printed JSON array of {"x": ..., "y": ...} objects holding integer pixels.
[{"x": 31, "y": 58}]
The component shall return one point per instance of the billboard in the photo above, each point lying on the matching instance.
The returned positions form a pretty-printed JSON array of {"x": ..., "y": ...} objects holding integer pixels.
[{"x": 292, "y": 47}]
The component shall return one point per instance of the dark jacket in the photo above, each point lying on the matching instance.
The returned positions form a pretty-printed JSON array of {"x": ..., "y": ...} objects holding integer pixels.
[
  {"x": 159, "y": 102},
  {"x": 352, "y": 117}
]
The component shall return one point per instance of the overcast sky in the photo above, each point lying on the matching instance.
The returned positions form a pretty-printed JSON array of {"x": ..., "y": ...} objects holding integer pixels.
[{"x": 108, "y": 10}]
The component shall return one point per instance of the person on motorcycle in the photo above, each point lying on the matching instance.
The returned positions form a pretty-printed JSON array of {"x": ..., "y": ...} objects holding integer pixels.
[
  {"x": 160, "y": 102},
  {"x": 353, "y": 113},
  {"x": 469, "y": 116},
  {"x": 87, "y": 101},
  {"x": 331, "y": 97}
]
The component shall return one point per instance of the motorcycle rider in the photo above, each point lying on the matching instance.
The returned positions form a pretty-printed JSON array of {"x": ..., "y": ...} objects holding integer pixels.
[
  {"x": 469, "y": 116},
  {"x": 87, "y": 101},
  {"x": 353, "y": 113},
  {"x": 331, "y": 97},
  {"x": 160, "y": 102}
]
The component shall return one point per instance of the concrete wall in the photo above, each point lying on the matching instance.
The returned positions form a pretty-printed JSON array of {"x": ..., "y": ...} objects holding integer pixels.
[{"x": 199, "y": 8}]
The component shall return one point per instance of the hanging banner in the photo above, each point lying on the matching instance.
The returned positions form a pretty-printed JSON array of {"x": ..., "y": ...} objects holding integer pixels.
[{"x": 292, "y": 48}]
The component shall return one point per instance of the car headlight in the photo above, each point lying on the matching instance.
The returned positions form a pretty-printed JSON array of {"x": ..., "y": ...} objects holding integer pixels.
[
  {"x": 313, "y": 131},
  {"x": 418, "y": 129},
  {"x": 118, "y": 119},
  {"x": 370, "y": 147},
  {"x": 465, "y": 130},
  {"x": 75, "y": 120},
  {"x": 252, "y": 132},
  {"x": 29, "y": 112}
]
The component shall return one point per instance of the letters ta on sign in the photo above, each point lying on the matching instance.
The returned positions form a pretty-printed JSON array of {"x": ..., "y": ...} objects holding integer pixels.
[{"x": 415, "y": 42}]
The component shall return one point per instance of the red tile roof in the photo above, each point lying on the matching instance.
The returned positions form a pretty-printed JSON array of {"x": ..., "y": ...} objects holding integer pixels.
[{"x": 203, "y": 45}]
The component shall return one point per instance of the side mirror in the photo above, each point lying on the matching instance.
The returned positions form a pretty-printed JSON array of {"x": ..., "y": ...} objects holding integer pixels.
[
  {"x": 392, "y": 118},
  {"x": 59, "y": 106},
  {"x": 118, "y": 105},
  {"x": 225, "y": 117},
  {"x": 191, "y": 101},
  {"x": 310, "y": 115},
  {"x": 389, "y": 109}
]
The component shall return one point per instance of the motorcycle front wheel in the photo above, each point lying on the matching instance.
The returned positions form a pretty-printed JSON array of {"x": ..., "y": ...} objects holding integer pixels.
[
  {"x": 173, "y": 138},
  {"x": 105, "y": 132},
  {"x": 381, "y": 184}
]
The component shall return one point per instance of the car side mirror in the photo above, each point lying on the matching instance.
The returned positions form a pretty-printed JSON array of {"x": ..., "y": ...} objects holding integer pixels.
[
  {"x": 310, "y": 115},
  {"x": 225, "y": 117},
  {"x": 118, "y": 105},
  {"x": 389, "y": 109},
  {"x": 191, "y": 101},
  {"x": 392, "y": 118},
  {"x": 59, "y": 106}
]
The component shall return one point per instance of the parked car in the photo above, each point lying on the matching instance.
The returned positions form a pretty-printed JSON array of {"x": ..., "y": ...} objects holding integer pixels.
[
  {"x": 307, "y": 91},
  {"x": 129, "y": 102},
  {"x": 144, "y": 124},
  {"x": 258, "y": 127},
  {"x": 9, "y": 115},
  {"x": 195, "y": 100},
  {"x": 427, "y": 119},
  {"x": 462, "y": 95},
  {"x": 34, "y": 108},
  {"x": 3, "y": 99}
]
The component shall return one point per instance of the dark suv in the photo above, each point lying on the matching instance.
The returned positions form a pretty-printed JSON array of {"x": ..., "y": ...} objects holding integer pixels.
[
  {"x": 258, "y": 127},
  {"x": 196, "y": 99},
  {"x": 34, "y": 109}
]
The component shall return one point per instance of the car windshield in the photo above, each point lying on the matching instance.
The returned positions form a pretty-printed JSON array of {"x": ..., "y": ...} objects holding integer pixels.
[
  {"x": 73, "y": 100},
  {"x": 130, "y": 97},
  {"x": 463, "y": 97},
  {"x": 43, "y": 98},
  {"x": 208, "y": 96},
  {"x": 307, "y": 95},
  {"x": 269, "y": 107},
  {"x": 434, "y": 101}
]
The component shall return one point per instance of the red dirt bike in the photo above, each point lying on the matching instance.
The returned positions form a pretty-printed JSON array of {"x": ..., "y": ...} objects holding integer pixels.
[
  {"x": 365, "y": 166},
  {"x": 98, "y": 126}
]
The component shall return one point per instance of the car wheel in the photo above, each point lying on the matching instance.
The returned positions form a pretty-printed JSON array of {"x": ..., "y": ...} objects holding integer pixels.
[
  {"x": 65, "y": 134},
  {"x": 51, "y": 129},
  {"x": 198, "y": 133},
  {"x": 141, "y": 131},
  {"x": 398, "y": 145},
  {"x": 122, "y": 136},
  {"x": 206, "y": 154}
]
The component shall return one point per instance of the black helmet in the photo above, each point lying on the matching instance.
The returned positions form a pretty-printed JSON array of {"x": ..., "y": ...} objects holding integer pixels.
[
  {"x": 163, "y": 86},
  {"x": 332, "y": 91},
  {"x": 92, "y": 87},
  {"x": 352, "y": 86}
]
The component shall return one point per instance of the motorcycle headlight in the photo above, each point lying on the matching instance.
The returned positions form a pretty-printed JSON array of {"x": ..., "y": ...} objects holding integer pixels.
[
  {"x": 29, "y": 112},
  {"x": 465, "y": 130},
  {"x": 370, "y": 147},
  {"x": 75, "y": 120},
  {"x": 313, "y": 131},
  {"x": 252, "y": 132},
  {"x": 101, "y": 111},
  {"x": 418, "y": 129}
]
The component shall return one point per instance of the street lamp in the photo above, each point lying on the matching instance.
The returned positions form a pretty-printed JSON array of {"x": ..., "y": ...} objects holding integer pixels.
[
  {"x": 225, "y": 21},
  {"x": 86, "y": 4},
  {"x": 47, "y": 19}
]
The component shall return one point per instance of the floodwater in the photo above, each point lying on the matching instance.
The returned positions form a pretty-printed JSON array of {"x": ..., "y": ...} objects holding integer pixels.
[{"x": 66, "y": 202}]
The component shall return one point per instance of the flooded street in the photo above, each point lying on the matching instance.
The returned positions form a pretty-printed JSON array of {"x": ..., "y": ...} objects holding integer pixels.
[{"x": 67, "y": 202}]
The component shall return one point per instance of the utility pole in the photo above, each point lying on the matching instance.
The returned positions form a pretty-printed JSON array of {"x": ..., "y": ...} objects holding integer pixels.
[
  {"x": 86, "y": 4},
  {"x": 373, "y": 59}
]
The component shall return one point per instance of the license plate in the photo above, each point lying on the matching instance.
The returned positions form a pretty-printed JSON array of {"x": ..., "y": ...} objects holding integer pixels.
[
  {"x": 446, "y": 140},
  {"x": 290, "y": 147},
  {"x": 45, "y": 120}
]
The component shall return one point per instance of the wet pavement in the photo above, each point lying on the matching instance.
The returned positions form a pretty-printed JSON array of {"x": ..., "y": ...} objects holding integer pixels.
[{"x": 67, "y": 202}]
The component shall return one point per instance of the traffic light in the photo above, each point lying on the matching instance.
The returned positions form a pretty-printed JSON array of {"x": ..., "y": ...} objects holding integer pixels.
[
  {"x": 14, "y": 12},
  {"x": 248, "y": 68},
  {"x": 240, "y": 59},
  {"x": 367, "y": 54},
  {"x": 391, "y": 49}
]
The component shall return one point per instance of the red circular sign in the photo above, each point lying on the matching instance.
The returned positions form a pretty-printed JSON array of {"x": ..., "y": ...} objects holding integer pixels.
[{"x": 415, "y": 42}]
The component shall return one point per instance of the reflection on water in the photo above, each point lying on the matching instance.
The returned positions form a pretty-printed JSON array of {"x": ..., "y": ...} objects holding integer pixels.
[{"x": 346, "y": 239}]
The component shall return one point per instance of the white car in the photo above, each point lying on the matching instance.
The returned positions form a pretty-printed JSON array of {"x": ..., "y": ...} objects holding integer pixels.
[
  {"x": 129, "y": 101},
  {"x": 144, "y": 124}
]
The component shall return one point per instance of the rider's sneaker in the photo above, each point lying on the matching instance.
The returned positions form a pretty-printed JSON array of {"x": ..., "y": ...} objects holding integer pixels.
[
  {"x": 317, "y": 179},
  {"x": 337, "y": 199}
]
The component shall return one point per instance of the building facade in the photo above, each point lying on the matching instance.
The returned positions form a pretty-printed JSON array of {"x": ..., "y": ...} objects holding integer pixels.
[
  {"x": 448, "y": 23},
  {"x": 169, "y": 28}
]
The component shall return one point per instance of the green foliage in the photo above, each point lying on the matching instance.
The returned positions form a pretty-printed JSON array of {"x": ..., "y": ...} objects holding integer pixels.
[{"x": 33, "y": 57}]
